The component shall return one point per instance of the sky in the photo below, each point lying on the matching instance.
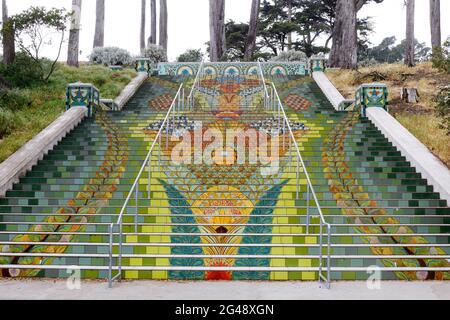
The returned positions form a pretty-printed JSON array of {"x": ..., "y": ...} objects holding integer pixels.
[{"x": 189, "y": 22}]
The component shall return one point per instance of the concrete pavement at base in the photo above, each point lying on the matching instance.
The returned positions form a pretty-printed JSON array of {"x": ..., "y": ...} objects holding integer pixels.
[{"x": 163, "y": 290}]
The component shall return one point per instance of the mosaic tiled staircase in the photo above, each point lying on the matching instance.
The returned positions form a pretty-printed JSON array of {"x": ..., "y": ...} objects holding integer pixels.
[{"x": 383, "y": 213}]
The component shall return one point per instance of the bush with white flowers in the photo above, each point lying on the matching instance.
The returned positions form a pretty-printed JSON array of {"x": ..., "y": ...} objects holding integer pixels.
[
  {"x": 111, "y": 56},
  {"x": 290, "y": 56},
  {"x": 155, "y": 53}
]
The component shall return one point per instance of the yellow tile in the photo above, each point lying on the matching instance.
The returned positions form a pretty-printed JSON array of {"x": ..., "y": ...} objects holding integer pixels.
[
  {"x": 310, "y": 240},
  {"x": 136, "y": 262},
  {"x": 308, "y": 276}
]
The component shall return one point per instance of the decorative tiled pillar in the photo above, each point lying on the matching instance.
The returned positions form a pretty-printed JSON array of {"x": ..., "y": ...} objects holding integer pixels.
[
  {"x": 143, "y": 65},
  {"x": 317, "y": 64},
  {"x": 371, "y": 95},
  {"x": 82, "y": 95}
]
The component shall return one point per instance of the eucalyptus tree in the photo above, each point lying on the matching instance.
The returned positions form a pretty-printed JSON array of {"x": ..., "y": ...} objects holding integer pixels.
[
  {"x": 142, "y": 34},
  {"x": 153, "y": 22},
  {"x": 410, "y": 40},
  {"x": 99, "y": 37},
  {"x": 217, "y": 29},
  {"x": 435, "y": 23},
  {"x": 344, "y": 50},
  {"x": 163, "y": 24},
  {"x": 250, "y": 45},
  {"x": 74, "y": 35},
  {"x": 9, "y": 49}
]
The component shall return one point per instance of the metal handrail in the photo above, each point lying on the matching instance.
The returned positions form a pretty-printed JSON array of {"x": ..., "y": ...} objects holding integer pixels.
[
  {"x": 310, "y": 191},
  {"x": 266, "y": 95},
  {"x": 197, "y": 79},
  {"x": 135, "y": 189}
]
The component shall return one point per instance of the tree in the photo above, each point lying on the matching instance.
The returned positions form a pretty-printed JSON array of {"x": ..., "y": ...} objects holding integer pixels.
[
  {"x": 435, "y": 23},
  {"x": 409, "y": 49},
  {"x": 142, "y": 34},
  {"x": 390, "y": 52},
  {"x": 191, "y": 55},
  {"x": 99, "y": 37},
  {"x": 33, "y": 30},
  {"x": 342, "y": 36},
  {"x": 153, "y": 21},
  {"x": 74, "y": 35},
  {"x": 163, "y": 24},
  {"x": 217, "y": 29},
  {"x": 9, "y": 49},
  {"x": 250, "y": 44},
  {"x": 344, "y": 52}
]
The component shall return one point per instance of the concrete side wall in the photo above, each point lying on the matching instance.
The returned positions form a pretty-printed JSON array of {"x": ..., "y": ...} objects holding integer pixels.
[
  {"x": 34, "y": 150},
  {"x": 330, "y": 91},
  {"x": 431, "y": 168},
  {"x": 130, "y": 90}
]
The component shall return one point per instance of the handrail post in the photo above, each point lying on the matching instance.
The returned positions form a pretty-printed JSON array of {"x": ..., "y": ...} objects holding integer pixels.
[
  {"x": 298, "y": 179},
  {"x": 136, "y": 191},
  {"x": 120, "y": 249},
  {"x": 110, "y": 252},
  {"x": 159, "y": 154},
  {"x": 307, "y": 209},
  {"x": 320, "y": 251},
  {"x": 329, "y": 257},
  {"x": 149, "y": 176}
]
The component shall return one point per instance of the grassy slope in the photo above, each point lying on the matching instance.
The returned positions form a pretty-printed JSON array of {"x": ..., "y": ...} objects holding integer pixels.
[
  {"x": 419, "y": 118},
  {"x": 49, "y": 101}
]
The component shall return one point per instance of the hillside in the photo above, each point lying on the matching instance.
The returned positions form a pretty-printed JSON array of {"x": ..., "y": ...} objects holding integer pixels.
[
  {"x": 45, "y": 102},
  {"x": 418, "y": 118}
]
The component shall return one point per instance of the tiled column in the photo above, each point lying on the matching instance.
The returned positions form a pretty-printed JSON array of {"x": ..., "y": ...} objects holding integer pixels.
[
  {"x": 317, "y": 64},
  {"x": 82, "y": 95},
  {"x": 371, "y": 95}
]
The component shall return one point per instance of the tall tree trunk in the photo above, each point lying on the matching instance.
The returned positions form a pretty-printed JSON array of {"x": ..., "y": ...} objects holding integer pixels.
[
  {"x": 435, "y": 22},
  {"x": 99, "y": 38},
  {"x": 9, "y": 47},
  {"x": 344, "y": 51},
  {"x": 74, "y": 36},
  {"x": 163, "y": 24},
  {"x": 153, "y": 22},
  {"x": 217, "y": 29},
  {"x": 142, "y": 35},
  {"x": 290, "y": 20},
  {"x": 250, "y": 46},
  {"x": 410, "y": 46}
]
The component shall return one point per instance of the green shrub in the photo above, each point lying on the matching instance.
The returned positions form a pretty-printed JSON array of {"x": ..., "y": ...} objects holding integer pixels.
[
  {"x": 24, "y": 72},
  {"x": 7, "y": 124},
  {"x": 14, "y": 100},
  {"x": 191, "y": 55},
  {"x": 441, "y": 57},
  {"x": 443, "y": 108}
]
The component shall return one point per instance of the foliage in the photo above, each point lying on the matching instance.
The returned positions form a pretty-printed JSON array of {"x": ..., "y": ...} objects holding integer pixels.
[
  {"x": 310, "y": 21},
  {"x": 191, "y": 55},
  {"x": 33, "y": 29},
  {"x": 110, "y": 56},
  {"x": 443, "y": 108},
  {"x": 14, "y": 99},
  {"x": 390, "y": 52},
  {"x": 155, "y": 53},
  {"x": 236, "y": 38},
  {"x": 7, "y": 122},
  {"x": 289, "y": 56},
  {"x": 24, "y": 71},
  {"x": 48, "y": 100},
  {"x": 441, "y": 57},
  {"x": 423, "y": 77}
]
